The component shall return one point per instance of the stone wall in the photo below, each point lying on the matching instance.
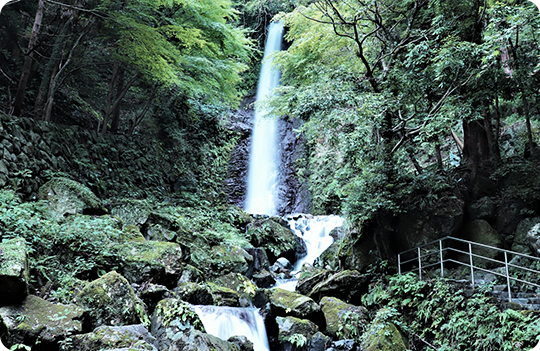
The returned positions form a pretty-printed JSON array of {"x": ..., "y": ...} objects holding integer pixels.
[{"x": 33, "y": 151}]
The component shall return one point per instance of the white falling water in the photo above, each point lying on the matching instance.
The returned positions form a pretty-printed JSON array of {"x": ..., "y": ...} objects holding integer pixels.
[
  {"x": 263, "y": 176},
  {"x": 315, "y": 231},
  {"x": 225, "y": 322}
]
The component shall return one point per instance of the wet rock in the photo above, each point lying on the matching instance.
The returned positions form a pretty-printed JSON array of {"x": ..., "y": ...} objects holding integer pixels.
[
  {"x": 228, "y": 258},
  {"x": 285, "y": 302},
  {"x": 171, "y": 319},
  {"x": 14, "y": 272},
  {"x": 239, "y": 283},
  {"x": 347, "y": 285},
  {"x": 159, "y": 261},
  {"x": 343, "y": 320},
  {"x": 110, "y": 300},
  {"x": 4, "y": 335},
  {"x": 294, "y": 331},
  {"x": 260, "y": 261},
  {"x": 38, "y": 319},
  {"x": 318, "y": 342},
  {"x": 196, "y": 294},
  {"x": 264, "y": 279},
  {"x": 281, "y": 265},
  {"x": 129, "y": 337},
  {"x": 310, "y": 277},
  {"x": 521, "y": 244},
  {"x": 274, "y": 236},
  {"x": 533, "y": 237},
  {"x": 384, "y": 336},
  {"x": 344, "y": 345},
  {"x": 223, "y": 296},
  {"x": 151, "y": 294},
  {"x": 66, "y": 196},
  {"x": 195, "y": 340},
  {"x": 242, "y": 342}
]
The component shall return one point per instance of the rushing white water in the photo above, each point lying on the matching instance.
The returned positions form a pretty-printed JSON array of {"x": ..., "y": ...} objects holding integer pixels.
[
  {"x": 263, "y": 170},
  {"x": 225, "y": 322},
  {"x": 315, "y": 230}
]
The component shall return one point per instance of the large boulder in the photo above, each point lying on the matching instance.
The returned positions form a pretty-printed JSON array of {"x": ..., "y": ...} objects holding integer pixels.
[
  {"x": 110, "y": 300},
  {"x": 479, "y": 231},
  {"x": 343, "y": 320},
  {"x": 132, "y": 211},
  {"x": 228, "y": 258},
  {"x": 295, "y": 332},
  {"x": 310, "y": 277},
  {"x": 521, "y": 243},
  {"x": 38, "y": 319},
  {"x": 284, "y": 302},
  {"x": 132, "y": 337},
  {"x": 13, "y": 272},
  {"x": 194, "y": 293},
  {"x": 347, "y": 285},
  {"x": 156, "y": 260},
  {"x": 239, "y": 283},
  {"x": 171, "y": 319},
  {"x": 66, "y": 196},
  {"x": 195, "y": 340},
  {"x": 533, "y": 237},
  {"x": 5, "y": 337},
  {"x": 274, "y": 236},
  {"x": 383, "y": 335}
]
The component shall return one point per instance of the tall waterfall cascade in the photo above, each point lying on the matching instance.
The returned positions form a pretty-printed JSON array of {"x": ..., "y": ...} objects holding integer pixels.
[
  {"x": 225, "y": 322},
  {"x": 263, "y": 170}
]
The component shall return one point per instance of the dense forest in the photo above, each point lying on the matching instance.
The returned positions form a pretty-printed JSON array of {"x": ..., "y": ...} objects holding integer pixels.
[{"x": 121, "y": 125}]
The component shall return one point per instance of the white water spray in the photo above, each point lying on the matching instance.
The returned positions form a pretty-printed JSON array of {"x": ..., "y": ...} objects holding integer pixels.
[
  {"x": 263, "y": 171},
  {"x": 225, "y": 322}
]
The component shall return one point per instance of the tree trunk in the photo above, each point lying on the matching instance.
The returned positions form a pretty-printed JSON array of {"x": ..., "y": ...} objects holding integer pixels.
[
  {"x": 108, "y": 103},
  {"x": 116, "y": 113},
  {"x": 19, "y": 97},
  {"x": 477, "y": 156}
]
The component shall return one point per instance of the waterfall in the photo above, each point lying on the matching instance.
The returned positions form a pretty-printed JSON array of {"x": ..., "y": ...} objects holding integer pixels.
[
  {"x": 262, "y": 185},
  {"x": 225, "y": 322},
  {"x": 315, "y": 231}
]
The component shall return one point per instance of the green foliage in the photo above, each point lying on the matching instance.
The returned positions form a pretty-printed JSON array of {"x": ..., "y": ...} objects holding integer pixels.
[
  {"x": 297, "y": 340},
  {"x": 439, "y": 313}
]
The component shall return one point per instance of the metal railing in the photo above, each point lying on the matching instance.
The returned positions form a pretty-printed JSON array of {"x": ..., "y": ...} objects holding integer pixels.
[{"x": 440, "y": 250}]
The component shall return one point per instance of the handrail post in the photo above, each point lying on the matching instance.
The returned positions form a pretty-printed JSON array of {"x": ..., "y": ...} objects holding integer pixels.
[
  {"x": 472, "y": 269},
  {"x": 399, "y": 263},
  {"x": 440, "y": 254},
  {"x": 507, "y": 277},
  {"x": 419, "y": 264}
]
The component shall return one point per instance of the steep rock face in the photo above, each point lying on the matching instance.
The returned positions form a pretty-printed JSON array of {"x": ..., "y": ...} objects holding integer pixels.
[{"x": 14, "y": 272}]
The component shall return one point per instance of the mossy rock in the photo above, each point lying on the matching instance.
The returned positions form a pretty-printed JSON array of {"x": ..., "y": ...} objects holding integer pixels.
[
  {"x": 38, "y": 319},
  {"x": 110, "y": 300},
  {"x": 156, "y": 260},
  {"x": 190, "y": 274},
  {"x": 310, "y": 277},
  {"x": 132, "y": 337},
  {"x": 13, "y": 272},
  {"x": 193, "y": 293},
  {"x": 195, "y": 340},
  {"x": 343, "y": 320},
  {"x": 275, "y": 237},
  {"x": 66, "y": 196},
  {"x": 237, "y": 282},
  {"x": 284, "y": 302},
  {"x": 132, "y": 211},
  {"x": 223, "y": 296},
  {"x": 221, "y": 260},
  {"x": 171, "y": 319},
  {"x": 295, "y": 331},
  {"x": 132, "y": 233},
  {"x": 521, "y": 244},
  {"x": 384, "y": 336},
  {"x": 347, "y": 285}
]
